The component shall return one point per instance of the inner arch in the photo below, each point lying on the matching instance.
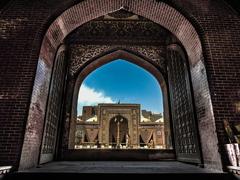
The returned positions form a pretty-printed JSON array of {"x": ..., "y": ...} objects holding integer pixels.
[{"x": 120, "y": 54}]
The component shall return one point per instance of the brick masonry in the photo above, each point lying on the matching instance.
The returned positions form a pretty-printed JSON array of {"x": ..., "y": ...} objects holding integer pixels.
[{"x": 23, "y": 25}]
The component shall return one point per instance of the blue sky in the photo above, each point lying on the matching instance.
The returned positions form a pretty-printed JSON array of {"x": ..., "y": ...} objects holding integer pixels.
[{"x": 124, "y": 81}]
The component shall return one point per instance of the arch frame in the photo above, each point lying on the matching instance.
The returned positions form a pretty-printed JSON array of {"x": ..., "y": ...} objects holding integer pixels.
[{"x": 160, "y": 13}]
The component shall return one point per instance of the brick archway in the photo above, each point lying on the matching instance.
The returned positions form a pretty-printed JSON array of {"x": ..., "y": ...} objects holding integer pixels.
[
  {"x": 160, "y": 13},
  {"x": 83, "y": 12}
]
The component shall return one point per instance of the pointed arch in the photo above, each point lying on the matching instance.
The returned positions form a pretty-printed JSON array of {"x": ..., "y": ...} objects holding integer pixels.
[
  {"x": 111, "y": 56},
  {"x": 158, "y": 12}
]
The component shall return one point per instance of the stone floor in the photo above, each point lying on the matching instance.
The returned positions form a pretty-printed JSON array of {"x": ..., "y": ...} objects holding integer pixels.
[
  {"x": 74, "y": 170},
  {"x": 139, "y": 167}
]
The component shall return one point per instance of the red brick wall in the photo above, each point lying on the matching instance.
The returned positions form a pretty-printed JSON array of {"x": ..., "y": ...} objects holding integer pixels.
[
  {"x": 22, "y": 27},
  {"x": 221, "y": 37},
  {"x": 17, "y": 74},
  {"x": 24, "y": 23}
]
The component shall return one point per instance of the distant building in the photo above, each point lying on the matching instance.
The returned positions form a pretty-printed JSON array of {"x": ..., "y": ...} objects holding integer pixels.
[
  {"x": 87, "y": 113},
  {"x": 151, "y": 116},
  {"x": 119, "y": 126}
]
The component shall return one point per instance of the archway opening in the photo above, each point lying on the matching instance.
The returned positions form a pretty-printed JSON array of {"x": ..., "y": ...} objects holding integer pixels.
[
  {"x": 119, "y": 132},
  {"x": 121, "y": 90}
]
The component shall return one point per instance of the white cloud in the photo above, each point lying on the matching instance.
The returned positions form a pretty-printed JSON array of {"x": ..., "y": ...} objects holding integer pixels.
[{"x": 89, "y": 96}]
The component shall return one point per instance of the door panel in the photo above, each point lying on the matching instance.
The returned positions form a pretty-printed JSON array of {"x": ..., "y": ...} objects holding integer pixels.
[
  {"x": 53, "y": 110},
  {"x": 184, "y": 123}
]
